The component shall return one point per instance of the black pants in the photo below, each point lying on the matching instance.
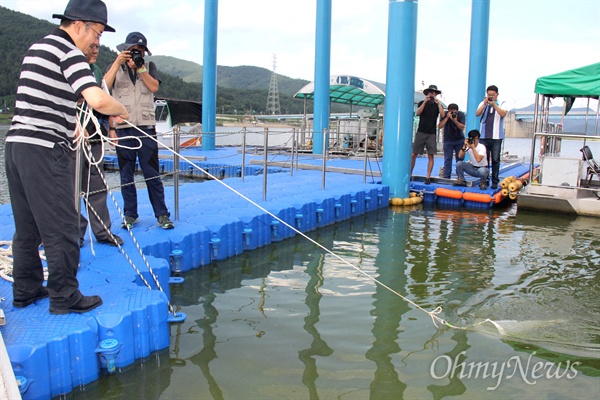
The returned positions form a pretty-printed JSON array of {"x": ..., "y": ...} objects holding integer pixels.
[
  {"x": 42, "y": 199},
  {"x": 148, "y": 158},
  {"x": 92, "y": 182}
]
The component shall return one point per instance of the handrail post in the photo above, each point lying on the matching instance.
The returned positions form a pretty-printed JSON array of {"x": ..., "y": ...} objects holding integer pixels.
[
  {"x": 242, "y": 173},
  {"x": 293, "y": 148},
  {"x": 366, "y": 156},
  {"x": 176, "y": 170},
  {"x": 265, "y": 161}
]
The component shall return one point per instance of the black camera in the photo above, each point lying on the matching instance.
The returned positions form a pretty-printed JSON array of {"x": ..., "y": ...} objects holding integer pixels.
[
  {"x": 137, "y": 57},
  {"x": 454, "y": 114},
  {"x": 490, "y": 99},
  {"x": 470, "y": 140}
]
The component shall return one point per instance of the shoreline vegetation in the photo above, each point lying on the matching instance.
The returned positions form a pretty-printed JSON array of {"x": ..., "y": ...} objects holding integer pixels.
[{"x": 5, "y": 119}]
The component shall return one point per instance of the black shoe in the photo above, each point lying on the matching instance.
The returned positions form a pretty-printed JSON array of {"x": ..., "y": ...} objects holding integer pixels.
[
  {"x": 459, "y": 182},
  {"x": 483, "y": 185},
  {"x": 41, "y": 294},
  {"x": 427, "y": 181},
  {"x": 494, "y": 186},
  {"x": 129, "y": 221},
  {"x": 165, "y": 222},
  {"x": 117, "y": 241},
  {"x": 87, "y": 303}
]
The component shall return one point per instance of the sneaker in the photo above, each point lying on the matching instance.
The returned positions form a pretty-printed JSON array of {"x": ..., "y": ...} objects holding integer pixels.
[
  {"x": 115, "y": 240},
  {"x": 85, "y": 304},
  {"x": 459, "y": 182},
  {"x": 483, "y": 185},
  {"x": 128, "y": 223},
  {"x": 165, "y": 222},
  {"x": 41, "y": 294}
]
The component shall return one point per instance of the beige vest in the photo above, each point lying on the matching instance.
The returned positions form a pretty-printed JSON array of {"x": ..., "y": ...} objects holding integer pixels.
[{"x": 138, "y": 99}]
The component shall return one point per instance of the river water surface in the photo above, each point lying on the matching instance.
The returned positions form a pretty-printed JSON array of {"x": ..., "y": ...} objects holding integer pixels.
[{"x": 290, "y": 321}]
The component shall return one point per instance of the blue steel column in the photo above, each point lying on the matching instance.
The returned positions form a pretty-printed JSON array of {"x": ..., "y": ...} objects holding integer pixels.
[
  {"x": 480, "y": 26},
  {"x": 322, "y": 71},
  {"x": 209, "y": 74},
  {"x": 399, "y": 96}
]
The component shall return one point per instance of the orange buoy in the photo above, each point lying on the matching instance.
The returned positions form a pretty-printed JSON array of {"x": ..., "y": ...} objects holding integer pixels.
[
  {"x": 515, "y": 186},
  {"x": 478, "y": 197},
  {"x": 449, "y": 193},
  {"x": 512, "y": 196},
  {"x": 498, "y": 197},
  {"x": 504, "y": 183},
  {"x": 504, "y": 192}
]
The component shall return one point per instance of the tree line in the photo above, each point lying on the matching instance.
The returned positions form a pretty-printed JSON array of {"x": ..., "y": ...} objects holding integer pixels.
[{"x": 242, "y": 96}]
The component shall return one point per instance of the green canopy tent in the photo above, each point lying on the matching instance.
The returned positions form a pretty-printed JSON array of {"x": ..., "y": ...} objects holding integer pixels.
[
  {"x": 347, "y": 89},
  {"x": 583, "y": 82},
  {"x": 579, "y": 82}
]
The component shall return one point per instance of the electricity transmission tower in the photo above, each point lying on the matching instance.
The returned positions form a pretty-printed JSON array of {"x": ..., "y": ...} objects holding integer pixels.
[{"x": 273, "y": 106}]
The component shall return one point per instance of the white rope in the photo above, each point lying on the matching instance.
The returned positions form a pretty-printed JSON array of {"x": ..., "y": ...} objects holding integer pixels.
[
  {"x": 433, "y": 314},
  {"x": 96, "y": 164},
  {"x": 6, "y": 261}
]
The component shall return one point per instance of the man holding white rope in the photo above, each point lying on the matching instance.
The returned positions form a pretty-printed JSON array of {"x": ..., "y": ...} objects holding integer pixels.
[{"x": 53, "y": 74}]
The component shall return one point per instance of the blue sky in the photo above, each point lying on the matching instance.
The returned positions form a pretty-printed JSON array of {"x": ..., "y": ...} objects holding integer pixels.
[{"x": 527, "y": 39}]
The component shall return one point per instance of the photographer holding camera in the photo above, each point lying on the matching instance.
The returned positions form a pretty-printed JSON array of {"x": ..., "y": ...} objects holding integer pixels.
[
  {"x": 492, "y": 129},
  {"x": 478, "y": 164},
  {"x": 428, "y": 111},
  {"x": 454, "y": 125},
  {"x": 134, "y": 85}
]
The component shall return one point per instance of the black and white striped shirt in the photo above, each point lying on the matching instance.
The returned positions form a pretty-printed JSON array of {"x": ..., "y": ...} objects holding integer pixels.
[{"x": 53, "y": 74}]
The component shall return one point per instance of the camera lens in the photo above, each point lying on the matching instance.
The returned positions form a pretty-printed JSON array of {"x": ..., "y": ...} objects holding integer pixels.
[
  {"x": 137, "y": 58},
  {"x": 490, "y": 99},
  {"x": 454, "y": 114}
]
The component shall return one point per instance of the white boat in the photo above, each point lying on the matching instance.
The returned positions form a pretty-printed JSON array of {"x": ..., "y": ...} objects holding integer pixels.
[
  {"x": 564, "y": 182},
  {"x": 178, "y": 118}
]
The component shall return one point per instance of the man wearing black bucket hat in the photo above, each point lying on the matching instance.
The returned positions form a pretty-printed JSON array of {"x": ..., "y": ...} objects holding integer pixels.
[
  {"x": 134, "y": 84},
  {"x": 428, "y": 111},
  {"x": 54, "y": 73}
]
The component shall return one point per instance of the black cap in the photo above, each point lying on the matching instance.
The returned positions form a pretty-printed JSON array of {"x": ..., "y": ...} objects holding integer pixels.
[
  {"x": 134, "y": 39},
  {"x": 432, "y": 88},
  {"x": 86, "y": 10}
]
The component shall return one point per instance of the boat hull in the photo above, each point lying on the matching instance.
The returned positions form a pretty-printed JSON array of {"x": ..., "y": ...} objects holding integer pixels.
[{"x": 567, "y": 200}]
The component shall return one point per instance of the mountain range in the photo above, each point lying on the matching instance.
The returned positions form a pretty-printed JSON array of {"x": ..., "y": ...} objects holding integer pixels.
[{"x": 242, "y": 89}]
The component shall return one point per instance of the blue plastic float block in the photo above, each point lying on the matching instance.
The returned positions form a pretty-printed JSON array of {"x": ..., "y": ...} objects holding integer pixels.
[
  {"x": 306, "y": 214},
  {"x": 226, "y": 239},
  {"x": 325, "y": 212},
  {"x": 342, "y": 207},
  {"x": 256, "y": 229},
  {"x": 110, "y": 261},
  {"x": 56, "y": 353}
]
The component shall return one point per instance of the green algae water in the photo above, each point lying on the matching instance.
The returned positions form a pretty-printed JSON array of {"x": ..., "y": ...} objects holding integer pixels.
[{"x": 290, "y": 321}]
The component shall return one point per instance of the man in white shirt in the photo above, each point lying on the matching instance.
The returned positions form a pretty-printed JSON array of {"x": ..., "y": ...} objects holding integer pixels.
[{"x": 477, "y": 165}]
